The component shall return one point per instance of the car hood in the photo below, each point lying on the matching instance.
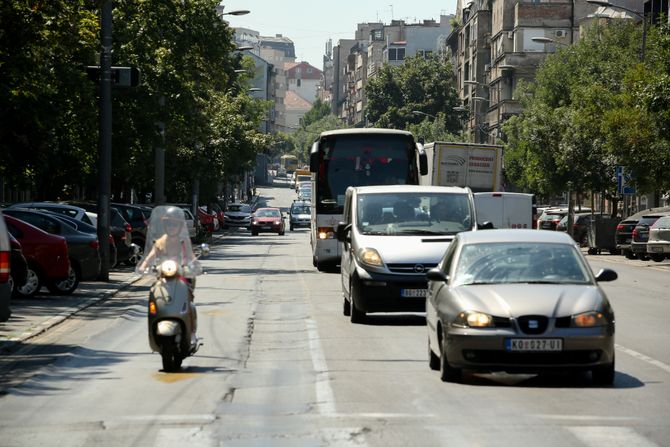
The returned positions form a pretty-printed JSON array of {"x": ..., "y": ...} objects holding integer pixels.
[
  {"x": 407, "y": 249},
  {"x": 514, "y": 300},
  {"x": 302, "y": 216},
  {"x": 237, "y": 214},
  {"x": 267, "y": 219}
]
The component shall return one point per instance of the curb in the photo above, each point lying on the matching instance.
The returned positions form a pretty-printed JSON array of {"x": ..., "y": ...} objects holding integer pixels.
[{"x": 9, "y": 345}]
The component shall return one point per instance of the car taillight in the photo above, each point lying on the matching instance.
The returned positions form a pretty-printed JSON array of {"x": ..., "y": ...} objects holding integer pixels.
[
  {"x": 94, "y": 244},
  {"x": 619, "y": 227},
  {"x": 635, "y": 233},
  {"x": 128, "y": 228},
  {"x": 4, "y": 266},
  {"x": 111, "y": 240},
  {"x": 326, "y": 233}
]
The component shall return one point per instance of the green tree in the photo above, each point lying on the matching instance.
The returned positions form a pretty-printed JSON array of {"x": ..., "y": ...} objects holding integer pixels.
[
  {"x": 319, "y": 110},
  {"x": 425, "y": 85}
]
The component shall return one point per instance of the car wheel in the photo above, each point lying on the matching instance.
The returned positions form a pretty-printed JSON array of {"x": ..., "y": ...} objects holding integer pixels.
[
  {"x": 346, "y": 307},
  {"x": 281, "y": 233},
  {"x": 643, "y": 257},
  {"x": 290, "y": 227},
  {"x": 584, "y": 241},
  {"x": 629, "y": 254},
  {"x": 447, "y": 372},
  {"x": 658, "y": 257},
  {"x": 66, "y": 286},
  {"x": 32, "y": 286},
  {"x": 603, "y": 374},
  {"x": 433, "y": 359},
  {"x": 135, "y": 258},
  {"x": 357, "y": 315},
  {"x": 254, "y": 233}
]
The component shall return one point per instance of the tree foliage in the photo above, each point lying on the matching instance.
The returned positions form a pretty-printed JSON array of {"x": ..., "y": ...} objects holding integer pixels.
[
  {"x": 590, "y": 109},
  {"x": 418, "y": 84},
  {"x": 189, "y": 84}
]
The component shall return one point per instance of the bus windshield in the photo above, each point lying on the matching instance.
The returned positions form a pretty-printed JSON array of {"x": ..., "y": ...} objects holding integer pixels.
[{"x": 360, "y": 160}]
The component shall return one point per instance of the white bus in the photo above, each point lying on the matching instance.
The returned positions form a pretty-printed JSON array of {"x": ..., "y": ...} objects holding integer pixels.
[{"x": 355, "y": 157}]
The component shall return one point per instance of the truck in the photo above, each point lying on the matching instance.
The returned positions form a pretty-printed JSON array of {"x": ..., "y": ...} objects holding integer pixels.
[
  {"x": 505, "y": 209},
  {"x": 477, "y": 166}
]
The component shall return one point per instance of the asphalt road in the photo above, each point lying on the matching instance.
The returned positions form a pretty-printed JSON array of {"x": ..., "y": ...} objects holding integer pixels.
[{"x": 282, "y": 366}]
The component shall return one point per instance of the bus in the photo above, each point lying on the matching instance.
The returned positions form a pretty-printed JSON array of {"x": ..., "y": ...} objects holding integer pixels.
[
  {"x": 288, "y": 163},
  {"x": 355, "y": 157}
]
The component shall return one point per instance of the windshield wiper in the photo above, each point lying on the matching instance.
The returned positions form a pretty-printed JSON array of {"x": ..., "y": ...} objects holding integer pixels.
[{"x": 440, "y": 233}]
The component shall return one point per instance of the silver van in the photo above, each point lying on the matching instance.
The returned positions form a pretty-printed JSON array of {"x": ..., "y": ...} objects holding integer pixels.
[{"x": 391, "y": 236}]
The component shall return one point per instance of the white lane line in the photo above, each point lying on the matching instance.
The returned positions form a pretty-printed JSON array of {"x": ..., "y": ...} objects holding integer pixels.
[
  {"x": 586, "y": 417},
  {"x": 610, "y": 436},
  {"x": 324, "y": 393},
  {"x": 179, "y": 437},
  {"x": 665, "y": 367}
]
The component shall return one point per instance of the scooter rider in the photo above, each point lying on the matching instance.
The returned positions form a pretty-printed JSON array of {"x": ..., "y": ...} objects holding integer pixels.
[{"x": 168, "y": 239}]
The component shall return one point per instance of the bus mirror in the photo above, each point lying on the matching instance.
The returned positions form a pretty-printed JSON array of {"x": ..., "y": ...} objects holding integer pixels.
[
  {"x": 314, "y": 158},
  {"x": 423, "y": 162}
]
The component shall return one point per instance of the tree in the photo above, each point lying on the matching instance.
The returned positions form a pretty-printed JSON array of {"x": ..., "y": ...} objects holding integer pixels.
[{"x": 425, "y": 85}]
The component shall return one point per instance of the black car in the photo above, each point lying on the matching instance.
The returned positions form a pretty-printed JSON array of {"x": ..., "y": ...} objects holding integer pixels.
[
  {"x": 82, "y": 247},
  {"x": 137, "y": 216},
  {"x": 580, "y": 227},
  {"x": 550, "y": 218},
  {"x": 624, "y": 231}
]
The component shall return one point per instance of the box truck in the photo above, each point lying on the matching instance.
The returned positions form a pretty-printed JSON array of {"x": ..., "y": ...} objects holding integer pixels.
[{"x": 478, "y": 166}]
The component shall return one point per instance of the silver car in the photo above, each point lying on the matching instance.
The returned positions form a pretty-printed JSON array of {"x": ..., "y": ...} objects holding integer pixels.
[
  {"x": 518, "y": 301},
  {"x": 391, "y": 236},
  {"x": 658, "y": 245}
]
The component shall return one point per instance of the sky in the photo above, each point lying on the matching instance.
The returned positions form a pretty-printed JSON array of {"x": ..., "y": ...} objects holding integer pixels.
[{"x": 309, "y": 24}]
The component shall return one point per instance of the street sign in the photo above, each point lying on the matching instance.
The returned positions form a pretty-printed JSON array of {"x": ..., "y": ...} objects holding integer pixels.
[
  {"x": 624, "y": 179},
  {"x": 121, "y": 76}
]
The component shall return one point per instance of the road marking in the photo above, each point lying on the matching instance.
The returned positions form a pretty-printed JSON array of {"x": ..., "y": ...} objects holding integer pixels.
[
  {"x": 175, "y": 376},
  {"x": 586, "y": 417},
  {"x": 665, "y": 367},
  {"x": 178, "y": 437},
  {"x": 610, "y": 436},
  {"x": 324, "y": 393}
]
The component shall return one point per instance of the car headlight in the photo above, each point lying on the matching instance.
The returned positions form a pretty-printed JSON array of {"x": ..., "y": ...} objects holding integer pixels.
[
  {"x": 169, "y": 268},
  {"x": 370, "y": 256},
  {"x": 589, "y": 319},
  {"x": 473, "y": 319}
]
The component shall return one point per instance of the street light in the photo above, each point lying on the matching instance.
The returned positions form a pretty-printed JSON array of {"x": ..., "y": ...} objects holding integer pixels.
[
  {"x": 607, "y": 4},
  {"x": 418, "y": 112}
]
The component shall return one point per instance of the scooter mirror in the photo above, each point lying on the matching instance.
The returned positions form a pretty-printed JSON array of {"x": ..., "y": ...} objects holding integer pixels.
[{"x": 204, "y": 249}]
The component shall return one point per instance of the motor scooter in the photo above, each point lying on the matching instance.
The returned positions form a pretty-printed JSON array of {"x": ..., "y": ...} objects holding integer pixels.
[{"x": 169, "y": 256}]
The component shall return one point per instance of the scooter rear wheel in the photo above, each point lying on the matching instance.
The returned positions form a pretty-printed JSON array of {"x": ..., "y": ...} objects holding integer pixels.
[{"x": 169, "y": 356}]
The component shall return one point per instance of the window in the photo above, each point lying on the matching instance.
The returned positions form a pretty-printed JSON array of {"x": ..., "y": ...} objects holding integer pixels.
[
  {"x": 393, "y": 54},
  {"x": 401, "y": 54},
  {"x": 298, "y": 81}
]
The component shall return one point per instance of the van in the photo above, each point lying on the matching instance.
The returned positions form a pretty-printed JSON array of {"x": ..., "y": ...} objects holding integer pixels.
[
  {"x": 505, "y": 209},
  {"x": 391, "y": 236}
]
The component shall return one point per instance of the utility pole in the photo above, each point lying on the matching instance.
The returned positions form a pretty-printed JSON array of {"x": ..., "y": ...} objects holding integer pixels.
[{"x": 105, "y": 144}]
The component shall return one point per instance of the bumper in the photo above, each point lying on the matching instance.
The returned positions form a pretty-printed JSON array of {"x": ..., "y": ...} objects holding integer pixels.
[
  {"x": 658, "y": 248},
  {"x": 301, "y": 223},
  {"x": 484, "y": 350},
  {"x": 638, "y": 247},
  {"x": 237, "y": 223},
  {"x": 327, "y": 251},
  {"x": 383, "y": 292},
  {"x": 267, "y": 228}
]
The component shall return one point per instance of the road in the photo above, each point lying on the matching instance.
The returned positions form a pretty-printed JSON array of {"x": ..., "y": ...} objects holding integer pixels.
[{"x": 282, "y": 366}]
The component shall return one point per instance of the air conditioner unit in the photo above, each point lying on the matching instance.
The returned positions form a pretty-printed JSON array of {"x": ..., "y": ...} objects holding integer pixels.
[
  {"x": 487, "y": 67},
  {"x": 510, "y": 34},
  {"x": 560, "y": 33}
]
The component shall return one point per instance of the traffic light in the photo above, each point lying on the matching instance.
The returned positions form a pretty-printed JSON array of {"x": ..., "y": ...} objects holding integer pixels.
[{"x": 121, "y": 76}]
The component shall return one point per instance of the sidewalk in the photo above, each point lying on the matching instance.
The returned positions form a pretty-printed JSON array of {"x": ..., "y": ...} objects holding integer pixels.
[{"x": 33, "y": 316}]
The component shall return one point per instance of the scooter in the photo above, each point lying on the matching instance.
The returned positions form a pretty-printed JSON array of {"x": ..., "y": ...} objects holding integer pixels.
[{"x": 172, "y": 317}]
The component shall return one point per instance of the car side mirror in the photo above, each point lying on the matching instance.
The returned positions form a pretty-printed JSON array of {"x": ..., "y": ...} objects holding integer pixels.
[
  {"x": 485, "y": 226},
  {"x": 605, "y": 275},
  {"x": 342, "y": 232},
  {"x": 436, "y": 275}
]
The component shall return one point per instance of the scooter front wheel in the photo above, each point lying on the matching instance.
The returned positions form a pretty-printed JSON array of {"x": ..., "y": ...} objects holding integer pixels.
[{"x": 171, "y": 358}]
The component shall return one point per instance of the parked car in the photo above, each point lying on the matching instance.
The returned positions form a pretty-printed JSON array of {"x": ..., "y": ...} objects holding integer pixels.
[
  {"x": 18, "y": 272},
  {"x": 207, "y": 220},
  {"x": 580, "y": 227},
  {"x": 82, "y": 248},
  {"x": 519, "y": 301},
  {"x": 5, "y": 281},
  {"x": 238, "y": 215},
  {"x": 267, "y": 220},
  {"x": 550, "y": 218},
  {"x": 119, "y": 228},
  {"x": 77, "y": 212},
  {"x": 137, "y": 216},
  {"x": 640, "y": 236},
  {"x": 300, "y": 214},
  {"x": 46, "y": 254},
  {"x": 624, "y": 230},
  {"x": 658, "y": 245},
  {"x": 391, "y": 236}
]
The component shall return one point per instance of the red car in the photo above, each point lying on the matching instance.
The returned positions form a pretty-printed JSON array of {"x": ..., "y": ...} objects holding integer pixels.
[
  {"x": 46, "y": 253},
  {"x": 267, "y": 220}
]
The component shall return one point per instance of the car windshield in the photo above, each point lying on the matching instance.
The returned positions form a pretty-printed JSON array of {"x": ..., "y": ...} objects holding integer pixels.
[
  {"x": 505, "y": 263},
  {"x": 300, "y": 210},
  {"x": 413, "y": 213},
  {"x": 268, "y": 213},
  {"x": 239, "y": 208}
]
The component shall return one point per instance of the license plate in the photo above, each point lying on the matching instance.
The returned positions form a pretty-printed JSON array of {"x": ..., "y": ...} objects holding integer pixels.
[
  {"x": 267, "y": 227},
  {"x": 414, "y": 293},
  {"x": 534, "y": 344},
  {"x": 656, "y": 249}
]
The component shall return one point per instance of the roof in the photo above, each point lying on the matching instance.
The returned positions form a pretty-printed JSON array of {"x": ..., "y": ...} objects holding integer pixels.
[
  {"x": 515, "y": 236},
  {"x": 366, "y": 131},
  {"x": 398, "y": 189},
  {"x": 293, "y": 101}
]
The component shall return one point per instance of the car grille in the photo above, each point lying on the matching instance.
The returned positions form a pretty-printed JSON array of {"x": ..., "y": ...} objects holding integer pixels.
[
  {"x": 582, "y": 357},
  {"x": 235, "y": 217},
  {"x": 418, "y": 269},
  {"x": 533, "y": 324}
]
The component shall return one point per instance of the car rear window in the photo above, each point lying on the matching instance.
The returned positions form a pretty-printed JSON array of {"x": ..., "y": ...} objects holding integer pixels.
[{"x": 648, "y": 220}]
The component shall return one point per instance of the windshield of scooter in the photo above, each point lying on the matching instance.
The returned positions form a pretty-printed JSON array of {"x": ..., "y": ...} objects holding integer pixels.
[{"x": 168, "y": 239}]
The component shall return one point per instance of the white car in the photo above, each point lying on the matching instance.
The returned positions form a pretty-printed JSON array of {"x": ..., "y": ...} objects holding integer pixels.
[{"x": 237, "y": 215}]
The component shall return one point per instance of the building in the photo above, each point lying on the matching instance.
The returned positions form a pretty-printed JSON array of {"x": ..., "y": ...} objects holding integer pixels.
[{"x": 303, "y": 79}]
